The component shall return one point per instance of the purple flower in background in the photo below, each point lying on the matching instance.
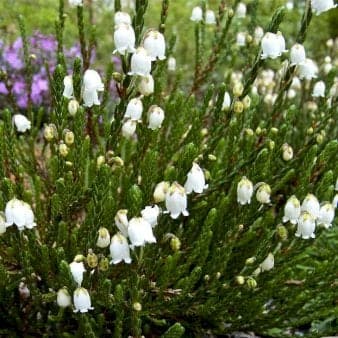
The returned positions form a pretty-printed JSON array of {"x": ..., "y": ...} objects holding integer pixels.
[{"x": 44, "y": 49}]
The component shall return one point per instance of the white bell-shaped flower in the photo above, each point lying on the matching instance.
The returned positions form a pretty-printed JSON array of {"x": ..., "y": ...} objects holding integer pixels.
[
  {"x": 140, "y": 63},
  {"x": 129, "y": 128},
  {"x": 326, "y": 215},
  {"x": 155, "y": 117},
  {"x": 195, "y": 180},
  {"x": 121, "y": 221},
  {"x": 146, "y": 85},
  {"x": 92, "y": 84},
  {"x": 306, "y": 226},
  {"x": 63, "y": 298},
  {"x": 319, "y": 89},
  {"x": 119, "y": 249},
  {"x": 150, "y": 214},
  {"x": 154, "y": 44},
  {"x": 226, "y": 101},
  {"x": 124, "y": 39},
  {"x": 176, "y": 201},
  {"x": 241, "y": 39},
  {"x": 320, "y": 6},
  {"x": 244, "y": 191},
  {"x": 140, "y": 232},
  {"x": 82, "y": 302},
  {"x": 103, "y": 239},
  {"x": 297, "y": 54},
  {"x": 210, "y": 18},
  {"x": 196, "y": 14},
  {"x": 296, "y": 84},
  {"x": 122, "y": 18},
  {"x": 77, "y": 269},
  {"x": 287, "y": 152},
  {"x": 268, "y": 263},
  {"x": 68, "y": 90},
  {"x": 281, "y": 42},
  {"x": 271, "y": 46},
  {"x": 171, "y": 64},
  {"x": 308, "y": 70},
  {"x": 311, "y": 205},
  {"x": 134, "y": 109},
  {"x": 263, "y": 193},
  {"x": 292, "y": 210},
  {"x": 74, "y": 3},
  {"x": 241, "y": 10},
  {"x": 21, "y": 123},
  {"x": 160, "y": 191},
  {"x": 19, "y": 213}
]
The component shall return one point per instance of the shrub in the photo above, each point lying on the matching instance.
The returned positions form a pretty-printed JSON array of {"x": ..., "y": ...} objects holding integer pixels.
[{"x": 139, "y": 203}]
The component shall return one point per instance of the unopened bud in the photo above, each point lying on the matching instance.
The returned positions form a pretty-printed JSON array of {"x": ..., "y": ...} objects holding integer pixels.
[
  {"x": 238, "y": 107},
  {"x": 212, "y": 157},
  {"x": 73, "y": 107},
  {"x": 250, "y": 260},
  {"x": 92, "y": 259},
  {"x": 282, "y": 232},
  {"x": 118, "y": 77},
  {"x": 319, "y": 138},
  {"x": 69, "y": 137},
  {"x": 175, "y": 244},
  {"x": 104, "y": 264},
  {"x": 50, "y": 132},
  {"x": 246, "y": 102},
  {"x": 271, "y": 145},
  {"x": 238, "y": 89},
  {"x": 63, "y": 149},
  {"x": 137, "y": 306},
  {"x": 160, "y": 191},
  {"x": 251, "y": 282},
  {"x": 287, "y": 152},
  {"x": 100, "y": 160},
  {"x": 240, "y": 280}
]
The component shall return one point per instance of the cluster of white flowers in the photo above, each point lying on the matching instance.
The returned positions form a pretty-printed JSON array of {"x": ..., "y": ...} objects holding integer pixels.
[
  {"x": 92, "y": 84},
  {"x": 308, "y": 214},
  {"x": 81, "y": 299},
  {"x": 133, "y": 115},
  {"x": 245, "y": 190},
  {"x": 152, "y": 49},
  {"x": 197, "y": 15},
  {"x": 19, "y": 213}
]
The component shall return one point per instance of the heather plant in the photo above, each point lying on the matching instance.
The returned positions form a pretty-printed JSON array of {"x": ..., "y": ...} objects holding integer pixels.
[{"x": 149, "y": 198}]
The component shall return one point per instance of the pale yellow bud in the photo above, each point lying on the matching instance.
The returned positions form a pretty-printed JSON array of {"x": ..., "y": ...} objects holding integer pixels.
[
  {"x": 100, "y": 160},
  {"x": 240, "y": 280},
  {"x": 73, "y": 107},
  {"x": 238, "y": 89},
  {"x": 69, "y": 137},
  {"x": 137, "y": 306},
  {"x": 63, "y": 149}
]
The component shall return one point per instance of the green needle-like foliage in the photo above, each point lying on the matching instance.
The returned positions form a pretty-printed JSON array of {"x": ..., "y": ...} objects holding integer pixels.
[{"x": 229, "y": 260}]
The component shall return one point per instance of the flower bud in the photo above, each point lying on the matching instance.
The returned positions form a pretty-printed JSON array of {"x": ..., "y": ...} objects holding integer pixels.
[
  {"x": 73, "y": 107},
  {"x": 160, "y": 191},
  {"x": 63, "y": 298},
  {"x": 69, "y": 137},
  {"x": 251, "y": 282},
  {"x": 146, "y": 85},
  {"x": 238, "y": 107},
  {"x": 263, "y": 193},
  {"x": 246, "y": 102},
  {"x": 50, "y": 132},
  {"x": 137, "y": 306},
  {"x": 282, "y": 232},
  {"x": 175, "y": 244},
  {"x": 100, "y": 160},
  {"x": 103, "y": 239},
  {"x": 155, "y": 117},
  {"x": 250, "y": 260},
  {"x": 226, "y": 101},
  {"x": 287, "y": 152},
  {"x": 92, "y": 259},
  {"x": 171, "y": 64},
  {"x": 238, "y": 89},
  {"x": 104, "y": 264},
  {"x": 63, "y": 149},
  {"x": 240, "y": 280}
]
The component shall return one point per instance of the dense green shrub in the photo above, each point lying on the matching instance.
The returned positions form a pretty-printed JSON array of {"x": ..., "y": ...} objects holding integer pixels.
[{"x": 87, "y": 167}]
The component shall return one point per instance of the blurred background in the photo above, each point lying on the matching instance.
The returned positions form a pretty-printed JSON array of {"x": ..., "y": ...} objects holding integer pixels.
[{"x": 40, "y": 15}]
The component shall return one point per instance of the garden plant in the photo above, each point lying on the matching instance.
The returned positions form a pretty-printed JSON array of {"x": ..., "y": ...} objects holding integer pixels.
[{"x": 148, "y": 197}]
